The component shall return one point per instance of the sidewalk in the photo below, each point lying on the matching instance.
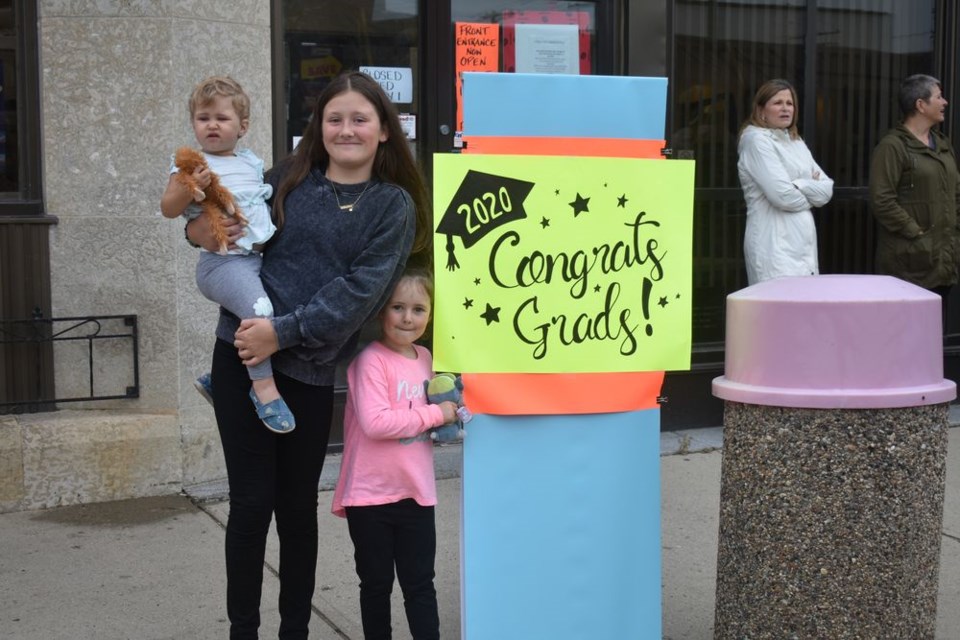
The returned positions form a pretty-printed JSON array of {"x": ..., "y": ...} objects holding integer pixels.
[{"x": 152, "y": 568}]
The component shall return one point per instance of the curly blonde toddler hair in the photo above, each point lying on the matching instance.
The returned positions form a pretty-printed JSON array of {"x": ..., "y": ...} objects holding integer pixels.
[{"x": 216, "y": 86}]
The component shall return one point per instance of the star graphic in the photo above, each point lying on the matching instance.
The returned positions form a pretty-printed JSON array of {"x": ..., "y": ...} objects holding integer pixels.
[
  {"x": 678, "y": 296},
  {"x": 596, "y": 288},
  {"x": 545, "y": 222},
  {"x": 580, "y": 205},
  {"x": 476, "y": 281},
  {"x": 491, "y": 315},
  {"x": 467, "y": 303},
  {"x": 663, "y": 301},
  {"x": 622, "y": 201},
  {"x": 556, "y": 192}
]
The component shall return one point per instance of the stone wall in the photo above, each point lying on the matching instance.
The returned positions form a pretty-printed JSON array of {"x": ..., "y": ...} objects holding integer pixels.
[
  {"x": 115, "y": 77},
  {"x": 77, "y": 457}
]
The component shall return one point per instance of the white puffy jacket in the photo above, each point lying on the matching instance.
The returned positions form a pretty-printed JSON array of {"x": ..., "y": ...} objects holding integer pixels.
[{"x": 777, "y": 176}]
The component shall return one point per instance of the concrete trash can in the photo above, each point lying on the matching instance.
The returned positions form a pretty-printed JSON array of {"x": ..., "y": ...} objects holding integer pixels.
[{"x": 834, "y": 454}]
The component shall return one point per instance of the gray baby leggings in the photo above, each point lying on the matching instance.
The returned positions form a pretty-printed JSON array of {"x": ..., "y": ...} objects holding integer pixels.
[{"x": 233, "y": 282}]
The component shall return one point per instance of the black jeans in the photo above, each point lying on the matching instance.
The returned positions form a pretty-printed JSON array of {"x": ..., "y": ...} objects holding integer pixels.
[
  {"x": 270, "y": 474},
  {"x": 401, "y": 534}
]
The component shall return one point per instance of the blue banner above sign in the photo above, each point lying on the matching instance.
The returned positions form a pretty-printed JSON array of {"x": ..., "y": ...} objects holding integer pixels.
[{"x": 529, "y": 104}]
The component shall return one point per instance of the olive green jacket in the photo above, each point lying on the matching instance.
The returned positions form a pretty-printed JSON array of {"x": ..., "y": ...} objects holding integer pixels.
[{"x": 915, "y": 195}]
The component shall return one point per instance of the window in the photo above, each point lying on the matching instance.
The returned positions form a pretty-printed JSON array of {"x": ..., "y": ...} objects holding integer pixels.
[
  {"x": 846, "y": 59},
  {"x": 26, "y": 371},
  {"x": 321, "y": 38},
  {"x": 19, "y": 109}
]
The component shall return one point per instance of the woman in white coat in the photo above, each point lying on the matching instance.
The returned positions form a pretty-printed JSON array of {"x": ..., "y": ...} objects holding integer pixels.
[{"x": 781, "y": 183}]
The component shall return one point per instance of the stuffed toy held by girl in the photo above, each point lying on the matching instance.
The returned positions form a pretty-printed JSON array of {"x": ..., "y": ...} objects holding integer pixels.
[
  {"x": 443, "y": 387},
  {"x": 216, "y": 201}
]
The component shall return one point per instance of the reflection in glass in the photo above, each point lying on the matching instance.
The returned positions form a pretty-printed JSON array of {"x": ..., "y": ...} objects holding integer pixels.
[
  {"x": 847, "y": 78},
  {"x": 532, "y": 12},
  {"x": 9, "y": 165},
  {"x": 323, "y": 38}
]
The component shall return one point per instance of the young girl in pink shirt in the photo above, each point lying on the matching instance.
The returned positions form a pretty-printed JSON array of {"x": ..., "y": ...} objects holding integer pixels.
[{"x": 387, "y": 489}]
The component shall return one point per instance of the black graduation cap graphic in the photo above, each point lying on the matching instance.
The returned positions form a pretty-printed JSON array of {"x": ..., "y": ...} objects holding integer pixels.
[{"x": 483, "y": 202}]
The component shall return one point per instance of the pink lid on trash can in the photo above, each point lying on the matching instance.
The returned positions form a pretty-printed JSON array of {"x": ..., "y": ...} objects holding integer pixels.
[{"x": 834, "y": 342}]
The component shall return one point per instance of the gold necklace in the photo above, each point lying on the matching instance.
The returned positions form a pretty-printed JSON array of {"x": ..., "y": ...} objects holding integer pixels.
[{"x": 349, "y": 207}]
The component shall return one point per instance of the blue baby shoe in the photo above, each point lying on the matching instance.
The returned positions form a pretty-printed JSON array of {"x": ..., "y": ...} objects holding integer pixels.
[
  {"x": 204, "y": 386},
  {"x": 276, "y": 415}
]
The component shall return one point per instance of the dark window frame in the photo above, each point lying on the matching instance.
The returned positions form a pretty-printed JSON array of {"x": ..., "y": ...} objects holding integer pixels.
[
  {"x": 946, "y": 64},
  {"x": 28, "y": 200}
]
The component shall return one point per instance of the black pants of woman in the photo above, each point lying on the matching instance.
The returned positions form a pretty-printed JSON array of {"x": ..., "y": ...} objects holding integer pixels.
[
  {"x": 944, "y": 293},
  {"x": 403, "y": 535},
  {"x": 270, "y": 475}
]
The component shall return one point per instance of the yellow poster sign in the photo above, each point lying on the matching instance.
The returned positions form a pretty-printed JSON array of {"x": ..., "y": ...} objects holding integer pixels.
[{"x": 562, "y": 264}]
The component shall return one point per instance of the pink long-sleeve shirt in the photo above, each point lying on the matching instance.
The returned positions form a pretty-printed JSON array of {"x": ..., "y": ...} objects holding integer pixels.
[{"x": 387, "y": 451}]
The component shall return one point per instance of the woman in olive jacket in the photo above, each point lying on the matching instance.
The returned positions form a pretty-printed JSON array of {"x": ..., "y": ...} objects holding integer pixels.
[{"x": 915, "y": 193}]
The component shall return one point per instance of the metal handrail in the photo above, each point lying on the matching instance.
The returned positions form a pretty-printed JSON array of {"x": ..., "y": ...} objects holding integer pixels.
[{"x": 44, "y": 332}]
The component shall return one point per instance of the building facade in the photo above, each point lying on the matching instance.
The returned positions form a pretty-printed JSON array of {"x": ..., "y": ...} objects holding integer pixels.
[{"x": 93, "y": 103}]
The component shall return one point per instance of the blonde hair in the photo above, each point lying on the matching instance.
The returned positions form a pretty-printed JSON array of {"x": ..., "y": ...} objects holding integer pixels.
[
  {"x": 217, "y": 86},
  {"x": 421, "y": 276}
]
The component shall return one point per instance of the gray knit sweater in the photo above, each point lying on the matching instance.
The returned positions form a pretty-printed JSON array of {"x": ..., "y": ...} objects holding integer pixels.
[{"x": 328, "y": 271}]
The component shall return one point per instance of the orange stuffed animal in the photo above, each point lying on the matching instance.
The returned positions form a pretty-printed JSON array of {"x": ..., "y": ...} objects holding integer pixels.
[{"x": 216, "y": 200}]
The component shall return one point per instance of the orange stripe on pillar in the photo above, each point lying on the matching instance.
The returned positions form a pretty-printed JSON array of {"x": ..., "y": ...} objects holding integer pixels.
[
  {"x": 540, "y": 146},
  {"x": 560, "y": 393}
]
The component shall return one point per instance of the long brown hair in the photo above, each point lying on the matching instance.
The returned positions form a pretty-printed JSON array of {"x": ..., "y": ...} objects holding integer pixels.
[
  {"x": 393, "y": 163},
  {"x": 764, "y": 94}
]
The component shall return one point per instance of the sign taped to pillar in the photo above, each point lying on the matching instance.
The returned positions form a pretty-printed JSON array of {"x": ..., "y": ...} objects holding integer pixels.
[
  {"x": 559, "y": 264},
  {"x": 529, "y": 431}
]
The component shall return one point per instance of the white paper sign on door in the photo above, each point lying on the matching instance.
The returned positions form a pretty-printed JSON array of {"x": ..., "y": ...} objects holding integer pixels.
[{"x": 548, "y": 48}]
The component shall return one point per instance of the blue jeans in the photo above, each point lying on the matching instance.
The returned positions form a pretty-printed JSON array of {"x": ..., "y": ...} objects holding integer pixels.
[
  {"x": 401, "y": 534},
  {"x": 270, "y": 475}
]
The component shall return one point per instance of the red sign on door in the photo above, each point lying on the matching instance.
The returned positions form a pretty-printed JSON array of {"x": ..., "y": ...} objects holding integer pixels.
[{"x": 477, "y": 49}]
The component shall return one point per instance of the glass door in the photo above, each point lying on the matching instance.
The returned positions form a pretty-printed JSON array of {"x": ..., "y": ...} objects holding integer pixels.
[
  {"x": 320, "y": 38},
  {"x": 314, "y": 40},
  {"x": 417, "y": 50},
  {"x": 525, "y": 36}
]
